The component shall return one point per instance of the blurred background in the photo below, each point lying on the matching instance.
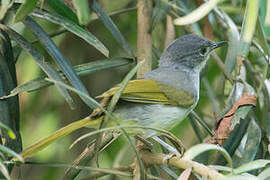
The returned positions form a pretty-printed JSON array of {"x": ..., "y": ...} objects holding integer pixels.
[{"x": 44, "y": 111}]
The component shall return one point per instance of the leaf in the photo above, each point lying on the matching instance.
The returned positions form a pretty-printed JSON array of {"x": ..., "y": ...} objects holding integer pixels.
[
  {"x": 197, "y": 14},
  {"x": 227, "y": 124},
  {"x": 249, "y": 145},
  {"x": 4, "y": 171},
  {"x": 5, "y": 5},
  {"x": 39, "y": 58},
  {"x": 8, "y": 130},
  {"x": 73, "y": 28},
  {"x": 234, "y": 36},
  {"x": 59, "y": 58},
  {"x": 26, "y": 8},
  {"x": 248, "y": 28},
  {"x": 185, "y": 175},
  {"x": 160, "y": 11},
  {"x": 251, "y": 166},
  {"x": 265, "y": 174},
  {"x": 62, "y": 9},
  {"x": 107, "y": 21},
  {"x": 240, "y": 177},
  {"x": 81, "y": 70},
  {"x": 201, "y": 148},
  {"x": 11, "y": 153},
  {"x": 83, "y": 12}
]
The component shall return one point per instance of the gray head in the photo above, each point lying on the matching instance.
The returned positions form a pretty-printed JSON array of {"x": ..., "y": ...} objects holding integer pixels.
[{"x": 191, "y": 51}]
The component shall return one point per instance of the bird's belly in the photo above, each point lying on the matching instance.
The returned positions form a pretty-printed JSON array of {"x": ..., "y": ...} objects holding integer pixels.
[{"x": 150, "y": 115}]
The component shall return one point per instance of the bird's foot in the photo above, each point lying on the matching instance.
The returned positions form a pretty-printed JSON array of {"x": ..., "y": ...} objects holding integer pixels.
[
  {"x": 167, "y": 157},
  {"x": 144, "y": 143}
]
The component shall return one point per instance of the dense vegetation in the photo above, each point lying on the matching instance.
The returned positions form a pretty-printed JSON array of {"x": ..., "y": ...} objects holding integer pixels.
[{"x": 57, "y": 55}]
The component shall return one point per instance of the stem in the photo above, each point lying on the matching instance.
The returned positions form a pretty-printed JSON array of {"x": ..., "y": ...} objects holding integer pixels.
[{"x": 144, "y": 42}]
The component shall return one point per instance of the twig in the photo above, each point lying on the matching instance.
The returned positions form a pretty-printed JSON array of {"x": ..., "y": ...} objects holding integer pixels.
[{"x": 181, "y": 163}]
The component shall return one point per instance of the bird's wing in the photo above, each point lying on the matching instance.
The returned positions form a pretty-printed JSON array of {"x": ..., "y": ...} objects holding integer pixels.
[{"x": 150, "y": 91}]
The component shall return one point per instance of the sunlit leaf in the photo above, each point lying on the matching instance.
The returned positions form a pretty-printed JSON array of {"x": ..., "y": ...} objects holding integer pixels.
[{"x": 11, "y": 153}]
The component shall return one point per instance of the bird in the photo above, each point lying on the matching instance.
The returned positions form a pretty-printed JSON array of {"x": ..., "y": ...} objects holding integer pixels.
[{"x": 160, "y": 99}]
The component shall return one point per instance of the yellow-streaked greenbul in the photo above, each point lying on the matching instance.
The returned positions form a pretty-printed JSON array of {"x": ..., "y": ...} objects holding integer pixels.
[{"x": 161, "y": 98}]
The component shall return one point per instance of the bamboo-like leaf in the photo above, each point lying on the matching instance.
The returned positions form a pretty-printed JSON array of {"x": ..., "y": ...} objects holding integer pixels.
[
  {"x": 59, "y": 58},
  {"x": 73, "y": 28},
  {"x": 83, "y": 12},
  {"x": 4, "y": 171},
  {"x": 8, "y": 130},
  {"x": 39, "y": 58},
  {"x": 112, "y": 28},
  {"x": 160, "y": 11},
  {"x": 197, "y": 14},
  {"x": 265, "y": 174},
  {"x": 250, "y": 166},
  {"x": 240, "y": 177},
  {"x": 26, "y": 8},
  {"x": 249, "y": 146},
  {"x": 11, "y": 153},
  {"x": 248, "y": 27},
  {"x": 234, "y": 36},
  {"x": 201, "y": 148},
  {"x": 5, "y": 5},
  {"x": 81, "y": 70},
  {"x": 62, "y": 9}
]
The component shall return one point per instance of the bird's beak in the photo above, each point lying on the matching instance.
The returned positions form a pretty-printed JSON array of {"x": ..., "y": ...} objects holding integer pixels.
[{"x": 219, "y": 44}]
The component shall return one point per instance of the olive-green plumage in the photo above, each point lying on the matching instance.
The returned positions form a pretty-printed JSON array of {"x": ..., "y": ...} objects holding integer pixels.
[{"x": 161, "y": 98}]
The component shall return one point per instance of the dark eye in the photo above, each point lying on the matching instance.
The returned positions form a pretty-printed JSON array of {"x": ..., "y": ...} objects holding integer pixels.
[{"x": 203, "y": 51}]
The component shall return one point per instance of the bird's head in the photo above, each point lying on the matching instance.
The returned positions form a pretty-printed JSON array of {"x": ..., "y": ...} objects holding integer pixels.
[{"x": 190, "y": 51}]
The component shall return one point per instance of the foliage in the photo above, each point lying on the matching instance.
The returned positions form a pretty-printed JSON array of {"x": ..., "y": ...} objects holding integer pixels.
[{"x": 226, "y": 137}]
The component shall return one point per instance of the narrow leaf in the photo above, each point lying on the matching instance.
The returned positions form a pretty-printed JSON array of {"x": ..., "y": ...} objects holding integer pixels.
[
  {"x": 5, "y": 5},
  {"x": 59, "y": 58},
  {"x": 107, "y": 21},
  {"x": 4, "y": 171},
  {"x": 62, "y": 9},
  {"x": 11, "y": 153},
  {"x": 250, "y": 166},
  {"x": 248, "y": 27},
  {"x": 201, "y": 148},
  {"x": 8, "y": 130},
  {"x": 73, "y": 28},
  {"x": 265, "y": 174},
  {"x": 197, "y": 14},
  {"x": 160, "y": 11},
  {"x": 26, "y": 8},
  {"x": 81, "y": 70},
  {"x": 83, "y": 12},
  {"x": 39, "y": 58}
]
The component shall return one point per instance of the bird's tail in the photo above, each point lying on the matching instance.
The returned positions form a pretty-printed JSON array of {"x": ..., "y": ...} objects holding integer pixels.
[{"x": 45, "y": 142}]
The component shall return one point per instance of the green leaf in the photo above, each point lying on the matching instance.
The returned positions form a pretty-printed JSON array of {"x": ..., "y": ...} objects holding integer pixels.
[
  {"x": 59, "y": 58},
  {"x": 265, "y": 174},
  {"x": 248, "y": 27},
  {"x": 250, "y": 166},
  {"x": 201, "y": 148},
  {"x": 8, "y": 130},
  {"x": 11, "y": 153},
  {"x": 4, "y": 171},
  {"x": 83, "y": 12},
  {"x": 249, "y": 145},
  {"x": 160, "y": 11},
  {"x": 81, "y": 70},
  {"x": 62, "y": 9},
  {"x": 74, "y": 28},
  {"x": 5, "y": 5},
  {"x": 234, "y": 36},
  {"x": 26, "y": 8},
  {"x": 107, "y": 21},
  {"x": 240, "y": 177},
  {"x": 39, "y": 58}
]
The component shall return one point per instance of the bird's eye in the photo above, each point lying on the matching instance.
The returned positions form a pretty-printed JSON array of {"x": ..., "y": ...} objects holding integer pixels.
[{"x": 203, "y": 51}]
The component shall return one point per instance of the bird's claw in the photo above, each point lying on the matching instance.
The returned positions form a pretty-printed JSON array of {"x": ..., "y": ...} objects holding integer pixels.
[{"x": 167, "y": 157}]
